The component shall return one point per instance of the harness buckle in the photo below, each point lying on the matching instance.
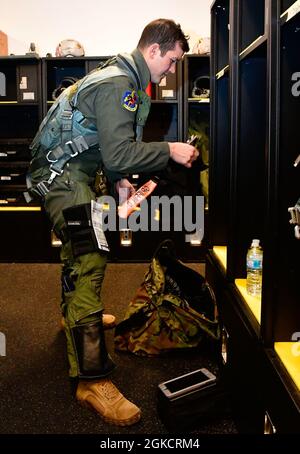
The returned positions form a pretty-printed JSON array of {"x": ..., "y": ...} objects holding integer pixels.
[
  {"x": 81, "y": 144},
  {"x": 58, "y": 151},
  {"x": 41, "y": 188},
  {"x": 295, "y": 214},
  {"x": 54, "y": 173},
  {"x": 68, "y": 114},
  {"x": 74, "y": 151},
  {"x": 295, "y": 218},
  {"x": 47, "y": 157}
]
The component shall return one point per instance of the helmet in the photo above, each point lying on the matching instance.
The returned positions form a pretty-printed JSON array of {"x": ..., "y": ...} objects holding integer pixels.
[
  {"x": 65, "y": 83},
  {"x": 201, "y": 87},
  {"x": 69, "y": 48},
  {"x": 202, "y": 46}
]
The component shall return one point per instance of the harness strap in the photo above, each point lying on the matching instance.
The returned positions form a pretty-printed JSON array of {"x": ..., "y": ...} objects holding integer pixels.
[
  {"x": 67, "y": 122},
  {"x": 127, "y": 62},
  {"x": 59, "y": 156}
]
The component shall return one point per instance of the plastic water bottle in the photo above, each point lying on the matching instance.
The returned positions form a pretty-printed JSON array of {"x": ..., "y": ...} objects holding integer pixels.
[{"x": 254, "y": 268}]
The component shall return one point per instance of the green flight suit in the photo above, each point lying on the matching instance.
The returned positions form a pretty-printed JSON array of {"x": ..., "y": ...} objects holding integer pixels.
[{"x": 120, "y": 154}]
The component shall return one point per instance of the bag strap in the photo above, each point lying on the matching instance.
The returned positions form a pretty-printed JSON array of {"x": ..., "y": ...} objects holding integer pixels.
[{"x": 165, "y": 247}]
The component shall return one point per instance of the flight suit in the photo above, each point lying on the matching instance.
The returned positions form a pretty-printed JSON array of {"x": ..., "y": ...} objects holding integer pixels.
[{"x": 118, "y": 109}]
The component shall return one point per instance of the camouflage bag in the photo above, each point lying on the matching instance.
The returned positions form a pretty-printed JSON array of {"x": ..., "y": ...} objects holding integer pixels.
[{"x": 174, "y": 308}]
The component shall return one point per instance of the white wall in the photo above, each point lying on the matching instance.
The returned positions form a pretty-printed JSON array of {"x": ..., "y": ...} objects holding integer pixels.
[{"x": 104, "y": 27}]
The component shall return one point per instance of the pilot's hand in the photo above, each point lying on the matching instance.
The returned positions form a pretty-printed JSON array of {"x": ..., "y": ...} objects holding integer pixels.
[
  {"x": 183, "y": 153},
  {"x": 124, "y": 189}
]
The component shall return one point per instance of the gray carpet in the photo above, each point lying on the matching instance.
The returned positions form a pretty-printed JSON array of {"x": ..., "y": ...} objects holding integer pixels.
[{"x": 34, "y": 386}]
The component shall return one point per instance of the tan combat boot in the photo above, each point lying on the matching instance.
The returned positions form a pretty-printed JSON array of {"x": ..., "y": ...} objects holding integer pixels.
[
  {"x": 109, "y": 321},
  {"x": 103, "y": 397}
]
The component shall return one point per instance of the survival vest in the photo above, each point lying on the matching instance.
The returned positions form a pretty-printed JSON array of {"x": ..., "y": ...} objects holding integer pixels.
[{"x": 65, "y": 132}]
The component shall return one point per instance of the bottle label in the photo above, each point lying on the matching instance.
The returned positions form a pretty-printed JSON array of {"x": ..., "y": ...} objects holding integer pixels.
[{"x": 255, "y": 264}]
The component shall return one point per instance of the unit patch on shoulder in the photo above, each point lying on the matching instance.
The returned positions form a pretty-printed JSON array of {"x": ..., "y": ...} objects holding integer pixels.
[{"x": 130, "y": 100}]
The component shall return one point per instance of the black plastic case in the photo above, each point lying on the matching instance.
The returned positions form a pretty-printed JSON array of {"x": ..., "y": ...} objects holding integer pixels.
[{"x": 190, "y": 399}]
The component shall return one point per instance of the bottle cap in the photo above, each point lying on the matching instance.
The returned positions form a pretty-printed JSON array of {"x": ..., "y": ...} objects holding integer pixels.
[{"x": 255, "y": 243}]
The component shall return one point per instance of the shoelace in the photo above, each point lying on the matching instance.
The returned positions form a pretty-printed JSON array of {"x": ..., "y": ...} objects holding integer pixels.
[{"x": 109, "y": 390}]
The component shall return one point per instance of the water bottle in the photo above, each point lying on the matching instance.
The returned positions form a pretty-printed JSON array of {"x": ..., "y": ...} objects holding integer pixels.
[{"x": 254, "y": 268}]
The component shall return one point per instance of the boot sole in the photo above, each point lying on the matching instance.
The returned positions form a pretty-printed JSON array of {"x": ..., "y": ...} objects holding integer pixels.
[{"x": 125, "y": 422}]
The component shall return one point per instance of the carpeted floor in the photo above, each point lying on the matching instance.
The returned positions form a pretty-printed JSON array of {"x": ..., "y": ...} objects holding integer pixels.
[{"x": 34, "y": 386}]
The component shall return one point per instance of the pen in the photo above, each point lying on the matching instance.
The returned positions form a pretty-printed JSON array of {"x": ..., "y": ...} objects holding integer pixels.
[{"x": 192, "y": 139}]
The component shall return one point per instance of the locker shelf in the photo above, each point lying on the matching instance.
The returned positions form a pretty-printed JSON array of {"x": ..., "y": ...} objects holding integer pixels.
[
  {"x": 289, "y": 354},
  {"x": 253, "y": 302}
]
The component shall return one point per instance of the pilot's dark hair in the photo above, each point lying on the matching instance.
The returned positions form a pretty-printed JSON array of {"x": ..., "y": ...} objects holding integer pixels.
[{"x": 164, "y": 32}]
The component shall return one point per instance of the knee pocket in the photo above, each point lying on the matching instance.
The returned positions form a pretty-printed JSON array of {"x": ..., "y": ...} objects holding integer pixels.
[
  {"x": 80, "y": 230},
  {"x": 89, "y": 270}
]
